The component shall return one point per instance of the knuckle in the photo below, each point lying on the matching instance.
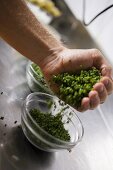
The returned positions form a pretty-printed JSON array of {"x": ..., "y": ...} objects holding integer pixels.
[{"x": 96, "y": 53}]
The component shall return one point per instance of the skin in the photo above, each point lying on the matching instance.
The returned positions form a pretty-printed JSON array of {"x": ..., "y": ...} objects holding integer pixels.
[{"x": 20, "y": 28}]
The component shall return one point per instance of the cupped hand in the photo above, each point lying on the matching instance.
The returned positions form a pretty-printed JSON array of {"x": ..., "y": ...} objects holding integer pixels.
[{"x": 70, "y": 60}]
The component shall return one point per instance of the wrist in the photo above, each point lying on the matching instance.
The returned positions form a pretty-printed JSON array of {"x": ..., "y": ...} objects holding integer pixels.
[{"x": 53, "y": 54}]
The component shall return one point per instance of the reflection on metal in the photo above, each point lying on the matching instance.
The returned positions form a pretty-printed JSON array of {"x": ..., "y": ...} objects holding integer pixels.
[{"x": 72, "y": 31}]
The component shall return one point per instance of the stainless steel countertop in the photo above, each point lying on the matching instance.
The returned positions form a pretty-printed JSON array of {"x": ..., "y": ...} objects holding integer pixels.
[{"x": 16, "y": 153}]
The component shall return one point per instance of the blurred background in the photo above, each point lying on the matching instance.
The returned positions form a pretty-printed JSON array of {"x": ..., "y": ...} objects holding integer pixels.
[{"x": 70, "y": 20}]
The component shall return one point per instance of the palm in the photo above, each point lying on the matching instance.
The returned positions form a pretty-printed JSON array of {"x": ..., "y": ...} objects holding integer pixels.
[{"x": 72, "y": 61}]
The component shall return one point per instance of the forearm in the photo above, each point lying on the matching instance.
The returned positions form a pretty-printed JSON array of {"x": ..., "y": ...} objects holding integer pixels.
[{"x": 20, "y": 28}]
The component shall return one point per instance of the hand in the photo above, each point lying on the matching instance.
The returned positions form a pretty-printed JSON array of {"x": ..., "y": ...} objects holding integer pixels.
[{"x": 68, "y": 60}]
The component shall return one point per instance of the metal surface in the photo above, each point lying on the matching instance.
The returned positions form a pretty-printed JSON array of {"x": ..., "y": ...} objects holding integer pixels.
[
  {"x": 16, "y": 153},
  {"x": 72, "y": 31}
]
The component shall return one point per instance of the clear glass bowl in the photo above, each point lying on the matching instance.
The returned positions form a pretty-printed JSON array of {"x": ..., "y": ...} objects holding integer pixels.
[
  {"x": 38, "y": 136},
  {"x": 36, "y": 80}
]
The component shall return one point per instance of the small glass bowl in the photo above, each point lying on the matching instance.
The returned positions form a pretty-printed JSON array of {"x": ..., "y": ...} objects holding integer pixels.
[
  {"x": 38, "y": 136},
  {"x": 35, "y": 80}
]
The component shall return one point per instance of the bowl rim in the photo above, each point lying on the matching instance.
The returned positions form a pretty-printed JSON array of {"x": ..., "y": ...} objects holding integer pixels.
[
  {"x": 29, "y": 67},
  {"x": 45, "y": 132}
]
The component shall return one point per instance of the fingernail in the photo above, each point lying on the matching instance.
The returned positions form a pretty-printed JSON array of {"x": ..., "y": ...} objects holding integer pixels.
[
  {"x": 94, "y": 99},
  {"x": 104, "y": 71}
]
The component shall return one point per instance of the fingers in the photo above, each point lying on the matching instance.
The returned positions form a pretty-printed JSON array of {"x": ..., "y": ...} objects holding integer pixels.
[
  {"x": 94, "y": 99},
  {"x": 102, "y": 89},
  {"x": 85, "y": 104},
  {"x": 90, "y": 102},
  {"x": 102, "y": 92},
  {"x": 98, "y": 95},
  {"x": 108, "y": 83},
  {"x": 106, "y": 70}
]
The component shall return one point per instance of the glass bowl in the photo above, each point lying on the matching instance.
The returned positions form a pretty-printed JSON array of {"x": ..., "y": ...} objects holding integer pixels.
[
  {"x": 41, "y": 138},
  {"x": 36, "y": 79}
]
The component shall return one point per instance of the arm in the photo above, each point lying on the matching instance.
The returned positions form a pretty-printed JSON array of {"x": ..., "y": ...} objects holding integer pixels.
[{"x": 20, "y": 28}]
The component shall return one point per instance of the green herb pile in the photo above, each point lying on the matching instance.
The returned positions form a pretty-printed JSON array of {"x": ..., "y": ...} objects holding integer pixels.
[
  {"x": 73, "y": 87},
  {"x": 51, "y": 124}
]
